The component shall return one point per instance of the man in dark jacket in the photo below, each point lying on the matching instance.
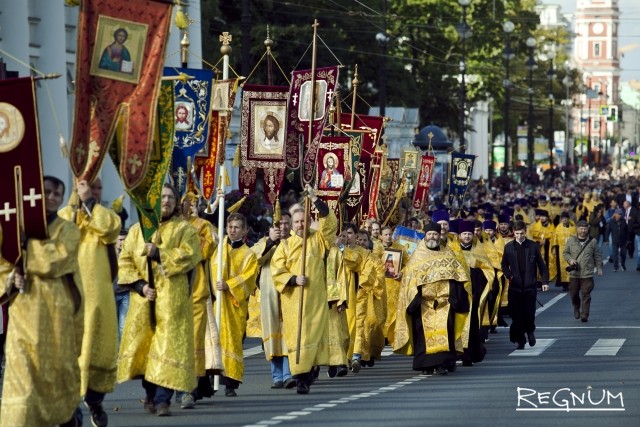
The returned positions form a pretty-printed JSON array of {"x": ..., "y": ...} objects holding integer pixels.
[
  {"x": 618, "y": 230},
  {"x": 521, "y": 262}
]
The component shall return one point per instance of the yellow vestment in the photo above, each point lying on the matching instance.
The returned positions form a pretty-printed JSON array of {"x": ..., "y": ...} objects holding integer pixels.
[
  {"x": 100, "y": 337},
  {"x": 558, "y": 244},
  {"x": 393, "y": 287},
  {"x": 544, "y": 234},
  {"x": 285, "y": 264},
  {"x": 163, "y": 356},
  {"x": 239, "y": 271},
  {"x": 42, "y": 376},
  {"x": 336, "y": 296}
]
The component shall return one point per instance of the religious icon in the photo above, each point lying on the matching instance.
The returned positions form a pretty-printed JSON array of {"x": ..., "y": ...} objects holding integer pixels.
[
  {"x": 268, "y": 131},
  {"x": 118, "y": 50},
  {"x": 183, "y": 116},
  {"x": 330, "y": 178},
  {"x": 409, "y": 160},
  {"x": 392, "y": 262},
  {"x": 11, "y": 127},
  {"x": 319, "y": 100}
]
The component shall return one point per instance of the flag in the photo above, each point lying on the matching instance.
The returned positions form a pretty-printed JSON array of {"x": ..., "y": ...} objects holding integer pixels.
[
  {"x": 365, "y": 134},
  {"x": 192, "y": 113},
  {"x": 300, "y": 118},
  {"x": 148, "y": 195},
  {"x": 121, "y": 46},
  {"x": 22, "y": 194},
  {"x": 220, "y": 119},
  {"x": 262, "y": 141},
  {"x": 421, "y": 189},
  {"x": 459, "y": 176},
  {"x": 333, "y": 168},
  {"x": 407, "y": 237}
]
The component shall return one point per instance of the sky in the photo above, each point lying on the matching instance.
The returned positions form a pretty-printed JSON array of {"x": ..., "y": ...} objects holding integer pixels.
[{"x": 628, "y": 35}]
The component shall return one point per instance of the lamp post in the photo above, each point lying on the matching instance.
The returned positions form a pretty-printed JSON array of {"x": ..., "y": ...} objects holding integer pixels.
[
  {"x": 383, "y": 40},
  {"x": 566, "y": 81},
  {"x": 531, "y": 65},
  {"x": 507, "y": 55},
  {"x": 589, "y": 97},
  {"x": 464, "y": 32},
  {"x": 550, "y": 75}
]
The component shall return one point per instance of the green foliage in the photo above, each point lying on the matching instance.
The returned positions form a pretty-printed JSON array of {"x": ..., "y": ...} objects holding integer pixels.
[{"x": 422, "y": 57}]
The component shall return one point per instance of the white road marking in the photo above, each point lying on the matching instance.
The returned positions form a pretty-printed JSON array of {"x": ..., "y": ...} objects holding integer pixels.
[
  {"x": 606, "y": 347},
  {"x": 550, "y": 303},
  {"x": 332, "y": 403},
  {"x": 541, "y": 345},
  {"x": 252, "y": 351}
]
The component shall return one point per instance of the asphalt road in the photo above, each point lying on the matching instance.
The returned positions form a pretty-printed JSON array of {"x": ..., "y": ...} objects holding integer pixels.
[{"x": 578, "y": 374}]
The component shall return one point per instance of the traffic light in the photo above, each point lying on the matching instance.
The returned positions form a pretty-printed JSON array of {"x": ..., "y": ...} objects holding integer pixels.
[{"x": 613, "y": 113}]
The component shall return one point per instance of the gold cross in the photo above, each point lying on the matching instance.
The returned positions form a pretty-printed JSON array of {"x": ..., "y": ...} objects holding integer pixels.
[
  {"x": 226, "y": 38},
  {"x": 135, "y": 163}
]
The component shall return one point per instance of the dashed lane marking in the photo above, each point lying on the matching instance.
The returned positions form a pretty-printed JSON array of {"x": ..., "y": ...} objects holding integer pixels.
[
  {"x": 606, "y": 347},
  {"x": 293, "y": 415},
  {"x": 541, "y": 346}
]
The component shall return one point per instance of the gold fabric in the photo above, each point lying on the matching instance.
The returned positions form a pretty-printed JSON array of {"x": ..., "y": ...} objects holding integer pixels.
[
  {"x": 525, "y": 216},
  {"x": 286, "y": 263},
  {"x": 44, "y": 338},
  {"x": 393, "y": 288},
  {"x": 239, "y": 271},
  {"x": 201, "y": 291},
  {"x": 432, "y": 270},
  {"x": 558, "y": 244},
  {"x": 270, "y": 316},
  {"x": 100, "y": 337},
  {"x": 337, "y": 295},
  {"x": 354, "y": 261},
  {"x": 478, "y": 257},
  {"x": 163, "y": 356},
  {"x": 254, "y": 321},
  {"x": 371, "y": 308},
  {"x": 212, "y": 346},
  {"x": 540, "y": 233}
]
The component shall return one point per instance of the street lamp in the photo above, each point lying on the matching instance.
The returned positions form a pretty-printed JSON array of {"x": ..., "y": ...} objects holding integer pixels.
[
  {"x": 550, "y": 75},
  {"x": 383, "y": 40},
  {"x": 464, "y": 32},
  {"x": 566, "y": 81},
  {"x": 508, "y": 28},
  {"x": 531, "y": 65}
]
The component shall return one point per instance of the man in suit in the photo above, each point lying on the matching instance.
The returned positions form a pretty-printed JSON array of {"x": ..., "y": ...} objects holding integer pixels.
[{"x": 521, "y": 262}]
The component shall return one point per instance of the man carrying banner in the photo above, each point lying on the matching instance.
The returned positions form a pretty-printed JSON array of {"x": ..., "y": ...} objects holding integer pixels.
[
  {"x": 240, "y": 268},
  {"x": 42, "y": 376},
  {"x": 286, "y": 267},
  {"x": 99, "y": 227},
  {"x": 275, "y": 347},
  {"x": 392, "y": 283},
  {"x": 433, "y": 306},
  {"x": 152, "y": 352}
]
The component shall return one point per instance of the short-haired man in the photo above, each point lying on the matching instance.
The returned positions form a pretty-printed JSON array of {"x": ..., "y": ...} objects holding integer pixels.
[
  {"x": 239, "y": 271},
  {"x": 521, "y": 263},
  {"x": 583, "y": 255}
]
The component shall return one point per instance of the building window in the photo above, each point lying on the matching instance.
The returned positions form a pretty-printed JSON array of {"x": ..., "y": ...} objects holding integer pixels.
[{"x": 596, "y": 50}]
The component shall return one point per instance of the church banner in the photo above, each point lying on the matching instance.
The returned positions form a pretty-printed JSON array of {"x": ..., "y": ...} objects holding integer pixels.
[
  {"x": 459, "y": 176},
  {"x": 192, "y": 114},
  {"x": 214, "y": 151},
  {"x": 421, "y": 189},
  {"x": 365, "y": 134},
  {"x": 22, "y": 196},
  {"x": 117, "y": 40},
  {"x": 148, "y": 195},
  {"x": 300, "y": 118},
  {"x": 333, "y": 169},
  {"x": 385, "y": 201},
  {"x": 262, "y": 142}
]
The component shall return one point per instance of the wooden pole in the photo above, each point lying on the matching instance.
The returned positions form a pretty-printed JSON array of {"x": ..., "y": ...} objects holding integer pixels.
[{"x": 307, "y": 206}]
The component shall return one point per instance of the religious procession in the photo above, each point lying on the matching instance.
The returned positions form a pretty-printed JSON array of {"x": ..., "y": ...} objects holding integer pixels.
[{"x": 326, "y": 248}]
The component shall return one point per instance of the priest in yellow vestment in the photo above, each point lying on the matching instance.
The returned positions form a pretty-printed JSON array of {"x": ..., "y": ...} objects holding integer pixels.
[
  {"x": 286, "y": 268},
  {"x": 392, "y": 283},
  {"x": 99, "y": 228},
  {"x": 42, "y": 376},
  {"x": 433, "y": 305},
  {"x": 542, "y": 232},
  {"x": 239, "y": 271},
  {"x": 161, "y": 356},
  {"x": 337, "y": 299},
  {"x": 565, "y": 229}
]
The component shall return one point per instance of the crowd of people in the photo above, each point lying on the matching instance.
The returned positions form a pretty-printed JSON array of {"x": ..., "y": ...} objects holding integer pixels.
[{"x": 95, "y": 304}]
